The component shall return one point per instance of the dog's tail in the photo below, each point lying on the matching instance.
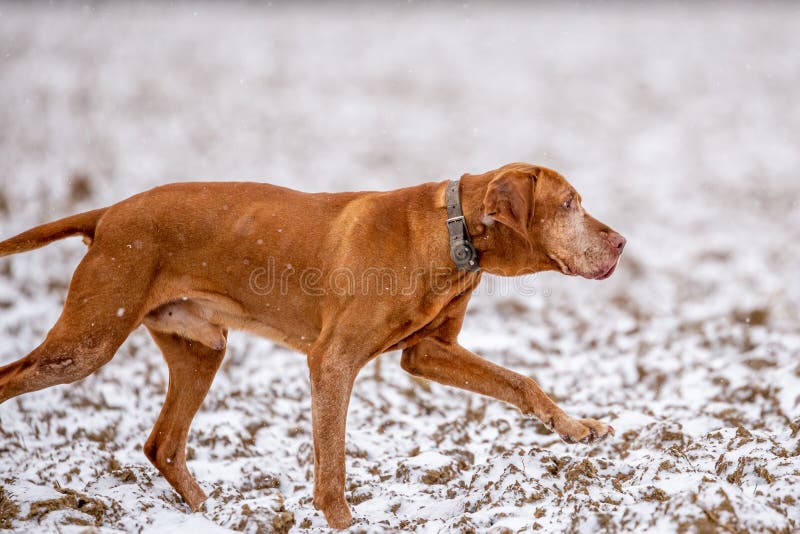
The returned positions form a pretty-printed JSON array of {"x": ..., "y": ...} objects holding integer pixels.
[{"x": 80, "y": 224}]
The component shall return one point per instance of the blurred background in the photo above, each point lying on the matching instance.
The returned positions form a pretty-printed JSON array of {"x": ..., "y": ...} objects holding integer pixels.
[{"x": 677, "y": 122}]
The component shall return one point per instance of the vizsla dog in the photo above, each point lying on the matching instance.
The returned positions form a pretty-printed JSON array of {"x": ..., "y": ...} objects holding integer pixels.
[{"x": 339, "y": 277}]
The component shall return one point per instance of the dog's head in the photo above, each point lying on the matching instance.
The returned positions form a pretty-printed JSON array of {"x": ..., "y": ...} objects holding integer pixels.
[{"x": 543, "y": 225}]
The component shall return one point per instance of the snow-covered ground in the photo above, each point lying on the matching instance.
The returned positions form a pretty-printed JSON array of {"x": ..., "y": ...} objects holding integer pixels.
[{"x": 680, "y": 126}]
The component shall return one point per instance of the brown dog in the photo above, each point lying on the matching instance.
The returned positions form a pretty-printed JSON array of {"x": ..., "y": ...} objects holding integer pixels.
[{"x": 340, "y": 277}]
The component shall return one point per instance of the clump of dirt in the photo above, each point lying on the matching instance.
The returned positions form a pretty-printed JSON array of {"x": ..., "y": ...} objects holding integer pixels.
[
  {"x": 667, "y": 434},
  {"x": 655, "y": 494},
  {"x": 9, "y": 510},
  {"x": 359, "y": 498},
  {"x": 72, "y": 500},
  {"x": 442, "y": 475},
  {"x": 283, "y": 520},
  {"x": 722, "y": 516},
  {"x": 584, "y": 469},
  {"x": 354, "y": 451},
  {"x": 261, "y": 481},
  {"x": 464, "y": 458},
  {"x": 402, "y": 473},
  {"x": 766, "y": 475},
  {"x": 260, "y": 520},
  {"x": 4, "y": 210},
  {"x": 511, "y": 309},
  {"x": 736, "y": 476},
  {"x": 463, "y": 461},
  {"x": 553, "y": 464},
  {"x": 702, "y": 525},
  {"x": 759, "y": 364},
  {"x": 755, "y": 317},
  {"x": 80, "y": 187},
  {"x": 125, "y": 474}
]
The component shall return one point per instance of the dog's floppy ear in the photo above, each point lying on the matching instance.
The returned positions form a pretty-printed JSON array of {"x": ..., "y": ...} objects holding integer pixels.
[{"x": 509, "y": 201}]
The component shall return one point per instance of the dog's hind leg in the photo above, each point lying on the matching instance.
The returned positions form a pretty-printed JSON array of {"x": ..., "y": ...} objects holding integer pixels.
[
  {"x": 105, "y": 302},
  {"x": 192, "y": 366}
]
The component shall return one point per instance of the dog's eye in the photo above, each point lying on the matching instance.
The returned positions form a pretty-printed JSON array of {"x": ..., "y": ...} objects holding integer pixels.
[{"x": 568, "y": 203}]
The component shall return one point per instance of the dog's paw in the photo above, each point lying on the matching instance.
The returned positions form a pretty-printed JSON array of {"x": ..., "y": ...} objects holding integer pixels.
[
  {"x": 581, "y": 430},
  {"x": 336, "y": 512},
  {"x": 338, "y": 517}
]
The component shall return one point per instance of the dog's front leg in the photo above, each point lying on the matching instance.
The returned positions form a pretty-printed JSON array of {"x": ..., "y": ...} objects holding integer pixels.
[
  {"x": 332, "y": 380},
  {"x": 453, "y": 365}
]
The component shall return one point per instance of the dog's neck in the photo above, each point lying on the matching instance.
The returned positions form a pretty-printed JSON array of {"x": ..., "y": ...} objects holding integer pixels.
[{"x": 500, "y": 249}]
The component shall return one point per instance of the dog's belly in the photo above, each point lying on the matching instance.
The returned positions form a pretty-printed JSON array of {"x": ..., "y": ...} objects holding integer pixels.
[
  {"x": 204, "y": 320},
  {"x": 261, "y": 328}
]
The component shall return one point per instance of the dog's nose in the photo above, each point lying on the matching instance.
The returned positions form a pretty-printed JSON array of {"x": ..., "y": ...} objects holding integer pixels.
[{"x": 617, "y": 241}]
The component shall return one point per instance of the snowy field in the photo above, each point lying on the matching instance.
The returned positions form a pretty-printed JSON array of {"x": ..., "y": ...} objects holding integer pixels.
[{"x": 680, "y": 126}]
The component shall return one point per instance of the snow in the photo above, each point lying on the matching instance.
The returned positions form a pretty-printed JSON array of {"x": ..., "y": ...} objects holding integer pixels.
[{"x": 677, "y": 123}]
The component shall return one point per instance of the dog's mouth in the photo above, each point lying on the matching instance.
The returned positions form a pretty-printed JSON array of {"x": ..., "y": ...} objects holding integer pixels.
[
  {"x": 602, "y": 275},
  {"x": 608, "y": 273},
  {"x": 563, "y": 266}
]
